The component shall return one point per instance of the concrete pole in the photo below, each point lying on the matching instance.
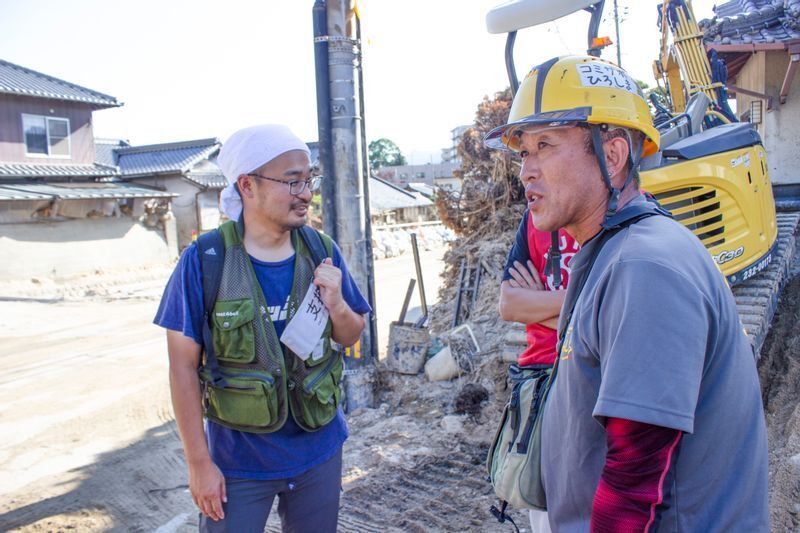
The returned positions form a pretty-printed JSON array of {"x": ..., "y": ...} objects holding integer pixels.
[{"x": 349, "y": 191}]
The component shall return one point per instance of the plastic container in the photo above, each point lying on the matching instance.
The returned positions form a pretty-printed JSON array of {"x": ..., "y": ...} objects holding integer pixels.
[{"x": 441, "y": 366}]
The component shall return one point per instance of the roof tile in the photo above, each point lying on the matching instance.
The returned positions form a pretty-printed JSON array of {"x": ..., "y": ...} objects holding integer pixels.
[
  {"x": 753, "y": 21},
  {"x": 164, "y": 158},
  {"x": 15, "y": 79},
  {"x": 83, "y": 191},
  {"x": 49, "y": 170}
]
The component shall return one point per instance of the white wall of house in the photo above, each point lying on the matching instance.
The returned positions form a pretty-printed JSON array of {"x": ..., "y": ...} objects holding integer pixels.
[
  {"x": 70, "y": 247},
  {"x": 780, "y": 127},
  {"x": 184, "y": 206},
  {"x": 782, "y": 123}
]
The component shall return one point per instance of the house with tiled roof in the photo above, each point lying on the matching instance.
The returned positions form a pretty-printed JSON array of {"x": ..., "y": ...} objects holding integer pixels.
[
  {"x": 759, "y": 40},
  {"x": 63, "y": 211},
  {"x": 186, "y": 169},
  {"x": 391, "y": 204}
]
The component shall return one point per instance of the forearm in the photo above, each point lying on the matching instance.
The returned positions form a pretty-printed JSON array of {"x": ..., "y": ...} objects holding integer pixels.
[
  {"x": 529, "y": 306},
  {"x": 551, "y": 323},
  {"x": 184, "y": 358},
  {"x": 187, "y": 404},
  {"x": 347, "y": 325},
  {"x": 634, "y": 480}
]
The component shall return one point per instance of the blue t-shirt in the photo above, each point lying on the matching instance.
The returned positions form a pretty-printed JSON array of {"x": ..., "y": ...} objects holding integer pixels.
[{"x": 289, "y": 451}]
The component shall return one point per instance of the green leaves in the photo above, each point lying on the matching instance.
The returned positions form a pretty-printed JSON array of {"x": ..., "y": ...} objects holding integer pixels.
[{"x": 385, "y": 153}]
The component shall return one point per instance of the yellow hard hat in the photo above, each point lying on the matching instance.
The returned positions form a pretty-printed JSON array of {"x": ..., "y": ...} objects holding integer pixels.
[{"x": 576, "y": 89}]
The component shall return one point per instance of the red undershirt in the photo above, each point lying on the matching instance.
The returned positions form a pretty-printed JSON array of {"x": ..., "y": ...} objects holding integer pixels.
[{"x": 635, "y": 484}]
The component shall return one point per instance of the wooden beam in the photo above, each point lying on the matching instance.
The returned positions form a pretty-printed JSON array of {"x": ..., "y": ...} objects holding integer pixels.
[
  {"x": 748, "y": 92},
  {"x": 752, "y": 47},
  {"x": 790, "y": 72}
]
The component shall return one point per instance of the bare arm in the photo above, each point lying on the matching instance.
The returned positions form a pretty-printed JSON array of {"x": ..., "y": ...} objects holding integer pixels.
[
  {"x": 524, "y": 298},
  {"x": 206, "y": 482},
  {"x": 347, "y": 324},
  {"x": 530, "y": 306}
]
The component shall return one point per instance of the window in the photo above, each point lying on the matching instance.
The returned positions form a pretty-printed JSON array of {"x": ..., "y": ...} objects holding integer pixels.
[{"x": 46, "y": 136}]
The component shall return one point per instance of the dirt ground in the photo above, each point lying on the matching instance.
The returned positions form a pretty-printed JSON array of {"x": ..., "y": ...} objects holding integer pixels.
[
  {"x": 779, "y": 371},
  {"x": 89, "y": 441}
]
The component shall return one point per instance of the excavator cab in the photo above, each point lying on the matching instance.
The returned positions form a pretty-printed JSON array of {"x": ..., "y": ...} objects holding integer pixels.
[{"x": 714, "y": 180}]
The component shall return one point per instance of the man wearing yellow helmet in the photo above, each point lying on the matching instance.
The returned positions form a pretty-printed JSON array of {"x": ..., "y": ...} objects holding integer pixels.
[{"x": 653, "y": 368}]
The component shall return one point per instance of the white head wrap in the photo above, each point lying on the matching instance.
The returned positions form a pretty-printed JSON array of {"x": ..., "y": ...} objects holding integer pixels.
[{"x": 247, "y": 150}]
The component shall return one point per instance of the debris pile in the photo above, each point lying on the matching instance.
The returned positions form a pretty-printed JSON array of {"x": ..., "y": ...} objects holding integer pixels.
[
  {"x": 484, "y": 215},
  {"x": 393, "y": 242}
]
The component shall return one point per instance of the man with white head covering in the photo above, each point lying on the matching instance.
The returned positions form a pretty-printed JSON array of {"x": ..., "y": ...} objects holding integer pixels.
[{"x": 271, "y": 398}]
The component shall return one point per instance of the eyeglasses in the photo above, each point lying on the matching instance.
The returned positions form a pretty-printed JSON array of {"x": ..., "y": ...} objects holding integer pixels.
[{"x": 296, "y": 187}]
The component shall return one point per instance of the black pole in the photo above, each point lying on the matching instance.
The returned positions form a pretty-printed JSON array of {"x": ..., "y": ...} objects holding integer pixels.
[
  {"x": 616, "y": 28},
  {"x": 512, "y": 72},
  {"x": 320, "y": 20},
  {"x": 373, "y": 316},
  {"x": 594, "y": 26}
]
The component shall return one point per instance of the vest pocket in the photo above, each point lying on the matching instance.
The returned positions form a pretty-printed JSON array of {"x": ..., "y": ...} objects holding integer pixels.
[
  {"x": 246, "y": 402},
  {"x": 322, "y": 393},
  {"x": 233, "y": 334}
]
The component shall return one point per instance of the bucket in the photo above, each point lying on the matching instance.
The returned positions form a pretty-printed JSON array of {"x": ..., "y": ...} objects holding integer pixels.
[{"x": 408, "y": 347}]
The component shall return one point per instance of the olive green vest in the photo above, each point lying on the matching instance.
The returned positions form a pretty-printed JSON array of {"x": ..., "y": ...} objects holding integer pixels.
[{"x": 263, "y": 380}]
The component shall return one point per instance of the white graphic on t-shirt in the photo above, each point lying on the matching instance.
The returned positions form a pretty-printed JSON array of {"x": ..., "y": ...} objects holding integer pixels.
[
  {"x": 277, "y": 312},
  {"x": 568, "y": 251}
]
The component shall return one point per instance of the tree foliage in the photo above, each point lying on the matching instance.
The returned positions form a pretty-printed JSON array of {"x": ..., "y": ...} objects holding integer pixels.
[
  {"x": 659, "y": 92},
  {"x": 385, "y": 153}
]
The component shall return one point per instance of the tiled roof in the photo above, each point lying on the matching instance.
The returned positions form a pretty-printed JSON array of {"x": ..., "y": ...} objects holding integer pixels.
[
  {"x": 753, "y": 22},
  {"x": 82, "y": 191},
  {"x": 166, "y": 158},
  {"x": 51, "y": 170},
  {"x": 383, "y": 196},
  {"x": 105, "y": 150},
  {"x": 422, "y": 188},
  {"x": 15, "y": 79},
  {"x": 313, "y": 147},
  {"x": 208, "y": 180}
]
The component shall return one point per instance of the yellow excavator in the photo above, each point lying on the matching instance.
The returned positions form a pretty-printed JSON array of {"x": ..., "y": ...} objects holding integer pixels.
[{"x": 711, "y": 171}]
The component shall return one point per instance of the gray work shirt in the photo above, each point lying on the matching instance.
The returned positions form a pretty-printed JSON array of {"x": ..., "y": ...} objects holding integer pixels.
[{"x": 655, "y": 337}]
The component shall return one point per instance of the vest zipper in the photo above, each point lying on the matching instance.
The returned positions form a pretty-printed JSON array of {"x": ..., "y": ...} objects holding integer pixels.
[
  {"x": 262, "y": 377},
  {"x": 328, "y": 366}
]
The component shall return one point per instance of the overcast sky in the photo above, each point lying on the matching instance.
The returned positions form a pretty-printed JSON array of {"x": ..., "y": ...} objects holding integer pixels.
[{"x": 194, "y": 69}]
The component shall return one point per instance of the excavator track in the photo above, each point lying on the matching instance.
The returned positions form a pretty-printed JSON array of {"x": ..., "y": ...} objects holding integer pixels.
[{"x": 757, "y": 298}]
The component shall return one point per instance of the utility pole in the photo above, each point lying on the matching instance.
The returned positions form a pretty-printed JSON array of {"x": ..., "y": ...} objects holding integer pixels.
[
  {"x": 347, "y": 161},
  {"x": 616, "y": 26}
]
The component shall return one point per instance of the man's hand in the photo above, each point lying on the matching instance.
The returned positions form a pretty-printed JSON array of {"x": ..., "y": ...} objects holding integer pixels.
[
  {"x": 207, "y": 486},
  {"x": 525, "y": 277},
  {"x": 206, "y": 483},
  {"x": 329, "y": 280},
  {"x": 347, "y": 325}
]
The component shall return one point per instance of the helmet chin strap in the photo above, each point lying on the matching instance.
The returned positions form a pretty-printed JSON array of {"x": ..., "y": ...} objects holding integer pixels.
[
  {"x": 613, "y": 192},
  {"x": 553, "y": 264}
]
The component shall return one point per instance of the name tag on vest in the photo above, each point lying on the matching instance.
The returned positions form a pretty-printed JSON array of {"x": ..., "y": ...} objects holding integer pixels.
[{"x": 304, "y": 331}]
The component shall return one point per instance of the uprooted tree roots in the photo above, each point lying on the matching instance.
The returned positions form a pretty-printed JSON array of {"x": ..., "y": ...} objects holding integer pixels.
[{"x": 484, "y": 214}]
